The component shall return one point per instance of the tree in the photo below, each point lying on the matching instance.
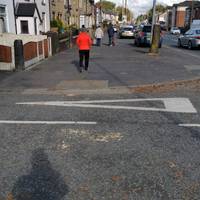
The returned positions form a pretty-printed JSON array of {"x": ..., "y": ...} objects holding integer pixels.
[
  {"x": 159, "y": 9},
  {"x": 127, "y": 11},
  {"x": 141, "y": 18},
  {"x": 107, "y": 5}
]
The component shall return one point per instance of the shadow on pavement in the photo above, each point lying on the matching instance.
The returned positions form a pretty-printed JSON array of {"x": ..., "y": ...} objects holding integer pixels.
[
  {"x": 140, "y": 49},
  {"x": 43, "y": 182},
  {"x": 116, "y": 78},
  {"x": 143, "y": 51},
  {"x": 76, "y": 64},
  {"x": 131, "y": 44},
  {"x": 105, "y": 44},
  {"x": 4, "y": 75}
]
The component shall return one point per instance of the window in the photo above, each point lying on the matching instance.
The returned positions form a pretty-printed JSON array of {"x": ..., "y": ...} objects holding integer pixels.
[
  {"x": 2, "y": 10},
  {"x": 24, "y": 27},
  {"x": 44, "y": 21},
  {"x": 190, "y": 32},
  {"x": 3, "y": 19},
  {"x": 198, "y": 32},
  {"x": 147, "y": 29},
  {"x": 2, "y": 25},
  {"x": 43, "y": 2},
  {"x": 53, "y": 15}
]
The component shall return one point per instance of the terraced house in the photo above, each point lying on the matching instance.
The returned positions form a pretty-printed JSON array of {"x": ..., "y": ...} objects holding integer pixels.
[
  {"x": 24, "y": 16},
  {"x": 86, "y": 13},
  {"x": 60, "y": 9},
  {"x": 73, "y": 12},
  {"x": 7, "y": 19}
]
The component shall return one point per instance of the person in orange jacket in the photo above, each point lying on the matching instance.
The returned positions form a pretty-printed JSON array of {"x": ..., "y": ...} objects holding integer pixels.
[{"x": 84, "y": 43}]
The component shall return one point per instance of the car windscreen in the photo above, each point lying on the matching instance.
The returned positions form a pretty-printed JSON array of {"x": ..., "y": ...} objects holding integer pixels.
[
  {"x": 146, "y": 29},
  {"x": 198, "y": 32},
  {"x": 127, "y": 29}
]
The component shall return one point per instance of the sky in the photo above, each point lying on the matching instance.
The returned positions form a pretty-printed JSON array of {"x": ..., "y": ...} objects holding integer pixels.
[{"x": 141, "y": 6}]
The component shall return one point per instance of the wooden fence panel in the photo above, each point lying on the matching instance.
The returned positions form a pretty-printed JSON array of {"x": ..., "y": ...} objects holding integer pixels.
[
  {"x": 30, "y": 51},
  {"x": 46, "y": 49},
  {"x": 40, "y": 48},
  {"x": 5, "y": 54}
]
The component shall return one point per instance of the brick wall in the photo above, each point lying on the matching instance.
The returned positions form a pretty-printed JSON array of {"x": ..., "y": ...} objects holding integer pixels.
[{"x": 180, "y": 19}]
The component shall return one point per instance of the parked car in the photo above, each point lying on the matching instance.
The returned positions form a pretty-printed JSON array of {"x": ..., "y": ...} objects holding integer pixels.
[
  {"x": 190, "y": 39},
  {"x": 126, "y": 31},
  {"x": 175, "y": 30},
  {"x": 143, "y": 36}
]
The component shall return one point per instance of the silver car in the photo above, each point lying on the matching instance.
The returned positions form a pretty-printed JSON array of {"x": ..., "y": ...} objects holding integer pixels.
[
  {"x": 190, "y": 39},
  {"x": 126, "y": 31}
]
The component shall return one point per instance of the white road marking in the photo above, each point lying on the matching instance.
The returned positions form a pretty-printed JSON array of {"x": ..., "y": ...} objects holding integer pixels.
[
  {"x": 178, "y": 105},
  {"x": 47, "y": 122},
  {"x": 190, "y": 125}
]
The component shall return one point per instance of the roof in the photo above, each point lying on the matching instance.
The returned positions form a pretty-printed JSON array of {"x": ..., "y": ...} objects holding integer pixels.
[
  {"x": 185, "y": 3},
  {"x": 27, "y": 10}
]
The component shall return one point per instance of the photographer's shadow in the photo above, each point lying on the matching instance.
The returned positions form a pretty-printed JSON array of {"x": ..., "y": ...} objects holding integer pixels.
[{"x": 43, "y": 182}]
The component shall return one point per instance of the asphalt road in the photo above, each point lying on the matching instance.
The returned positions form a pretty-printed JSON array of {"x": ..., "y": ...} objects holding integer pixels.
[
  {"x": 172, "y": 41},
  {"x": 100, "y": 146}
]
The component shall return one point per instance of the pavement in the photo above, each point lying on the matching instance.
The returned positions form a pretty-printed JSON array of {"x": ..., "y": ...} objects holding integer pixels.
[{"x": 121, "y": 66}]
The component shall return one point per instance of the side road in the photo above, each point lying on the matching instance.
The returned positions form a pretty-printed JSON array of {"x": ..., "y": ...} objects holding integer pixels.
[{"x": 122, "y": 65}]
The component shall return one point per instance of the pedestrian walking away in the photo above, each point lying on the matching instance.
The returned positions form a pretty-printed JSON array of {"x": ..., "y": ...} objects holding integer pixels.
[
  {"x": 98, "y": 35},
  {"x": 111, "y": 33},
  {"x": 84, "y": 43}
]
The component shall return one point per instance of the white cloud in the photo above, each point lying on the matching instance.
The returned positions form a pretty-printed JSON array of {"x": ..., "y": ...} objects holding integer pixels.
[{"x": 141, "y": 6}]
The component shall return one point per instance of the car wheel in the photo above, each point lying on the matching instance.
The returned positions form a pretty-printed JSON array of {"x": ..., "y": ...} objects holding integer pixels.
[
  {"x": 190, "y": 45},
  {"x": 179, "y": 43}
]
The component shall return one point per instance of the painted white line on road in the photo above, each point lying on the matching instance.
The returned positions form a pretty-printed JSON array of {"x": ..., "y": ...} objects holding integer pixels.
[
  {"x": 190, "y": 125},
  {"x": 178, "y": 105},
  {"x": 47, "y": 122}
]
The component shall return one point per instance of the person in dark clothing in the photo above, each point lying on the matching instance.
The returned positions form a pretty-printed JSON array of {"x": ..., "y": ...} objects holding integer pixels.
[{"x": 111, "y": 33}]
